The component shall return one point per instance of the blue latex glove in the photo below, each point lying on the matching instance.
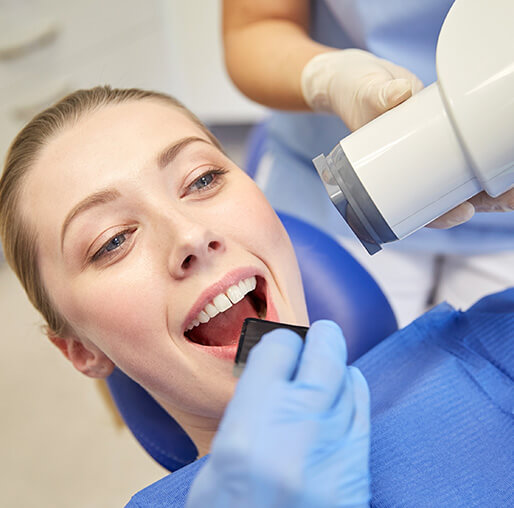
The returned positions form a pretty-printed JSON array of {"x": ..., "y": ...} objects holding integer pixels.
[{"x": 296, "y": 433}]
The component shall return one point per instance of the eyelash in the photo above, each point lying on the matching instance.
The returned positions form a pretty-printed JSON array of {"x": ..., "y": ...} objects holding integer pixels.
[{"x": 102, "y": 252}]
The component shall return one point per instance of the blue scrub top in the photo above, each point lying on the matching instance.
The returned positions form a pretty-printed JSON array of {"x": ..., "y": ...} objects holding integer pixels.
[
  {"x": 442, "y": 413},
  {"x": 404, "y": 32}
]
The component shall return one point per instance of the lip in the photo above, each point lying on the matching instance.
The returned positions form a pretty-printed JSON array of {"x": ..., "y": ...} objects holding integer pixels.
[
  {"x": 222, "y": 352},
  {"x": 221, "y": 286}
]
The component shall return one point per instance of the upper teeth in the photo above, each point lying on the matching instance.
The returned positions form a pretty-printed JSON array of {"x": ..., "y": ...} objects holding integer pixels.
[{"x": 224, "y": 301}]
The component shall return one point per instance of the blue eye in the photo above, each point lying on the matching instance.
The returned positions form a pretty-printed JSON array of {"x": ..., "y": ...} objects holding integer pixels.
[
  {"x": 203, "y": 181},
  {"x": 112, "y": 245},
  {"x": 115, "y": 242}
]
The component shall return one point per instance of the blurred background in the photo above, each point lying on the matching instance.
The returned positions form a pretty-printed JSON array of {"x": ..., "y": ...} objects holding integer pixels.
[{"x": 60, "y": 445}]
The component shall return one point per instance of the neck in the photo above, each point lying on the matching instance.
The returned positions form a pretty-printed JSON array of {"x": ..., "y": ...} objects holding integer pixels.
[
  {"x": 202, "y": 438},
  {"x": 200, "y": 429}
]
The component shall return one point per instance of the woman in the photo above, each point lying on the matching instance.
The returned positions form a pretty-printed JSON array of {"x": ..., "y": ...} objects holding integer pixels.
[
  {"x": 143, "y": 229},
  {"x": 145, "y": 247}
]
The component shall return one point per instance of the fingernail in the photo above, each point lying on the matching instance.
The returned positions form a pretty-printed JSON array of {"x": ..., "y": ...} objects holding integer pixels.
[
  {"x": 461, "y": 214},
  {"x": 398, "y": 90}
]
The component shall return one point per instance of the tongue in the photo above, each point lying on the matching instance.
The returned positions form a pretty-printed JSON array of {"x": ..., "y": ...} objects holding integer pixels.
[{"x": 225, "y": 328}]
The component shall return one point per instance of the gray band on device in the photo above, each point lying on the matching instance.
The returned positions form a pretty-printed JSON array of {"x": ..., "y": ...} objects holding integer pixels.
[{"x": 352, "y": 201}]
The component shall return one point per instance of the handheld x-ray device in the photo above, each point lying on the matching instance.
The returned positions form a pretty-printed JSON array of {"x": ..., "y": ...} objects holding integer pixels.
[{"x": 443, "y": 145}]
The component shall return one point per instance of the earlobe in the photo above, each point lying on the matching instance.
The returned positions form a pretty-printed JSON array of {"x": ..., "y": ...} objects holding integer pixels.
[{"x": 87, "y": 359}]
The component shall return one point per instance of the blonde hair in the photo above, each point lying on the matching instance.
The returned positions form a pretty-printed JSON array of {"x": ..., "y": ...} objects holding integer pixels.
[{"x": 18, "y": 239}]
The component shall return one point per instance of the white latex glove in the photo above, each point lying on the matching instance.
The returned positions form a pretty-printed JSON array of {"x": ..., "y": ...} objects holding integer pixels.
[
  {"x": 358, "y": 87},
  {"x": 355, "y": 85},
  {"x": 482, "y": 202}
]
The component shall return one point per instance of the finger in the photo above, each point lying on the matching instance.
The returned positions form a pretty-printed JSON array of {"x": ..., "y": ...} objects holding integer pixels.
[
  {"x": 394, "y": 92},
  {"x": 354, "y": 439},
  {"x": 349, "y": 416},
  {"x": 322, "y": 367},
  {"x": 275, "y": 357},
  {"x": 376, "y": 97},
  {"x": 401, "y": 72},
  {"x": 454, "y": 217},
  {"x": 485, "y": 203}
]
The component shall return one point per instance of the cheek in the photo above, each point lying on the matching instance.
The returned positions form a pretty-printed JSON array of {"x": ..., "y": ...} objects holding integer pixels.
[
  {"x": 116, "y": 311},
  {"x": 256, "y": 220},
  {"x": 266, "y": 234},
  {"x": 267, "y": 238},
  {"x": 261, "y": 232}
]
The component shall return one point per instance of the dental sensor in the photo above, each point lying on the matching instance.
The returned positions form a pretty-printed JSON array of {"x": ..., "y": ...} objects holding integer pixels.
[{"x": 252, "y": 332}]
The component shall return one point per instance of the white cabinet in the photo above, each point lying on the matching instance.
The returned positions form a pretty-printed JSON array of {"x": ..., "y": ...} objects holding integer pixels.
[
  {"x": 193, "y": 30},
  {"x": 51, "y": 47}
]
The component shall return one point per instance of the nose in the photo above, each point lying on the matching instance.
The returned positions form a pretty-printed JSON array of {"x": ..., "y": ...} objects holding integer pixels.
[{"x": 195, "y": 246}]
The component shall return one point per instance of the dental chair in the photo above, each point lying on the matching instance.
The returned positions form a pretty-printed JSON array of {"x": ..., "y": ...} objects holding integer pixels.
[{"x": 336, "y": 287}]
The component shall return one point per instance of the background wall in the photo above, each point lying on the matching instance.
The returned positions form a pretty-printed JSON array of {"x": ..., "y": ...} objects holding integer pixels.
[{"x": 59, "y": 444}]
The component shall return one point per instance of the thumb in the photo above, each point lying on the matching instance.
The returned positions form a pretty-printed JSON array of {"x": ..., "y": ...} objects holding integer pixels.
[
  {"x": 458, "y": 215},
  {"x": 394, "y": 92}
]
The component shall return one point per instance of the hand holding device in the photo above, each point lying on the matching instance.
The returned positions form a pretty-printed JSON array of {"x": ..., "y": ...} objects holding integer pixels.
[
  {"x": 296, "y": 433},
  {"x": 358, "y": 87},
  {"x": 430, "y": 159},
  {"x": 355, "y": 85}
]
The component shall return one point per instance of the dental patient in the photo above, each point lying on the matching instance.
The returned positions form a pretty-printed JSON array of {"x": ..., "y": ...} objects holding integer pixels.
[{"x": 145, "y": 247}]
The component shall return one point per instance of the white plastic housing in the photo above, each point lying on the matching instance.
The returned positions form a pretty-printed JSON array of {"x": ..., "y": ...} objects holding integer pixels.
[
  {"x": 412, "y": 170},
  {"x": 454, "y": 138},
  {"x": 475, "y": 70}
]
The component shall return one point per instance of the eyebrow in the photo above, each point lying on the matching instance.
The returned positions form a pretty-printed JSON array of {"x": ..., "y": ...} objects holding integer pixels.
[
  {"x": 171, "y": 152},
  {"x": 98, "y": 198}
]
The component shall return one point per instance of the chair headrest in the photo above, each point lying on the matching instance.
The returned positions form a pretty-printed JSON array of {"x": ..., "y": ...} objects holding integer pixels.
[{"x": 337, "y": 287}]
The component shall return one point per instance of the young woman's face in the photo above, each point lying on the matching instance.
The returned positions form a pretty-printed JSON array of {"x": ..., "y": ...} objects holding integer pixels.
[{"x": 144, "y": 229}]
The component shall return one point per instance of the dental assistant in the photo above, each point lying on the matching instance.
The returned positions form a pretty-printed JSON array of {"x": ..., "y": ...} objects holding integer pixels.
[{"x": 355, "y": 59}]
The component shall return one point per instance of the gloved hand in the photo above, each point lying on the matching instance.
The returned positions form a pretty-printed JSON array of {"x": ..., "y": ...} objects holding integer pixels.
[
  {"x": 355, "y": 85},
  {"x": 296, "y": 433},
  {"x": 482, "y": 202},
  {"x": 358, "y": 87}
]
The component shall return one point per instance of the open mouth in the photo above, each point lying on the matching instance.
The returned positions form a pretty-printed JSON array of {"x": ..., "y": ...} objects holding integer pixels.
[{"x": 220, "y": 321}]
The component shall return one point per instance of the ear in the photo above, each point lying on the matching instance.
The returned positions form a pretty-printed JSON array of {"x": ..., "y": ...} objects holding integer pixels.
[{"x": 84, "y": 356}]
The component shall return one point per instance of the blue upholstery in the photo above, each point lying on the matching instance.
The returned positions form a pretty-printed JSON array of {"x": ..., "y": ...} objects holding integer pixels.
[
  {"x": 157, "y": 432},
  {"x": 336, "y": 288}
]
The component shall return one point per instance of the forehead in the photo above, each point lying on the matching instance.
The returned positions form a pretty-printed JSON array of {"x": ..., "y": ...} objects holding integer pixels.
[
  {"x": 111, "y": 142},
  {"x": 129, "y": 130}
]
